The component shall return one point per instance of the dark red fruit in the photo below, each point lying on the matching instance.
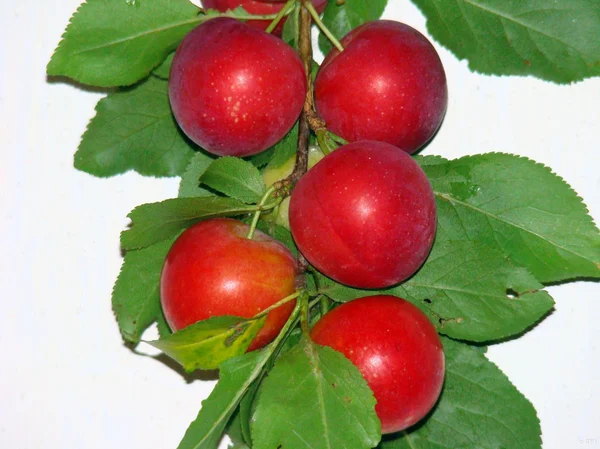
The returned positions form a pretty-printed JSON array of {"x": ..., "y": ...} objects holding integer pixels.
[
  {"x": 257, "y": 7},
  {"x": 235, "y": 90},
  {"x": 364, "y": 215},
  {"x": 397, "y": 350},
  {"x": 212, "y": 269},
  {"x": 388, "y": 85}
]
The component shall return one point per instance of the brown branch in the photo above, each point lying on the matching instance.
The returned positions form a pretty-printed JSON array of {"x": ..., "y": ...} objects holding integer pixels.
[{"x": 305, "y": 50}]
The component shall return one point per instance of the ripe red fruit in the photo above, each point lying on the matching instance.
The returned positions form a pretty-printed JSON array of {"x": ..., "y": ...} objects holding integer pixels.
[
  {"x": 257, "y": 7},
  {"x": 235, "y": 90},
  {"x": 388, "y": 85},
  {"x": 212, "y": 269},
  {"x": 364, "y": 215},
  {"x": 397, "y": 350}
]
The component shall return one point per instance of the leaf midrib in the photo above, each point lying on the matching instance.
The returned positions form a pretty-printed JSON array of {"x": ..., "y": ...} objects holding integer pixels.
[
  {"x": 521, "y": 23},
  {"x": 138, "y": 35},
  {"x": 319, "y": 387}
]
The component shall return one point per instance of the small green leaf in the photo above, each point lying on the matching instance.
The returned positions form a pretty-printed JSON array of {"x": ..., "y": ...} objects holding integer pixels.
[
  {"x": 285, "y": 148},
  {"x": 279, "y": 233},
  {"x": 164, "y": 70},
  {"x": 155, "y": 222},
  {"x": 189, "y": 186},
  {"x": 236, "y": 375},
  {"x": 479, "y": 408},
  {"x": 134, "y": 129},
  {"x": 546, "y": 39},
  {"x": 291, "y": 26},
  {"x": 259, "y": 160},
  {"x": 135, "y": 297},
  {"x": 234, "y": 431},
  {"x": 206, "y": 344},
  {"x": 519, "y": 207},
  {"x": 344, "y": 17},
  {"x": 117, "y": 43},
  {"x": 235, "y": 178},
  {"x": 315, "y": 398}
]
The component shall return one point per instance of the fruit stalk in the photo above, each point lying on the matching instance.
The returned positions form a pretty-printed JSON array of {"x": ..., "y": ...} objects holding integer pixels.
[{"x": 305, "y": 50}]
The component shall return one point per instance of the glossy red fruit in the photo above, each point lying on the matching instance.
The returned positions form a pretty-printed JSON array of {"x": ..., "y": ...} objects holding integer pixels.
[
  {"x": 364, "y": 215},
  {"x": 257, "y": 7},
  {"x": 397, "y": 350},
  {"x": 235, "y": 90},
  {"x": 388, "y": 85},
  {"x": 212, "y": 269}
]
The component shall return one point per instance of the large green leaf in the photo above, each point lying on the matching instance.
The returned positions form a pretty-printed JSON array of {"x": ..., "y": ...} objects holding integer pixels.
[
  {"x": 155, "y": 222},
  {"x": 118, "y": 42},
  {"x": 519, "y": 207},
  {"x": 235, "y": 178},
  {"x": 342, "y": 17},
  {"x": 315, "y": 398},
  {"x": 467, "y": 289},
  {"x": 136, "y": 297},
  {"x": 207, "y": 344},
  {"x": 553, "y": 40},
  {"x": 134, "y": 129},
  {"x": 479, "y": 408}
]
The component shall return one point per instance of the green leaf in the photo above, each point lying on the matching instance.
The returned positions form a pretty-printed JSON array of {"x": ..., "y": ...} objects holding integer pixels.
[
  {"x": 235, "y": 178},
  {"x": 291, "y": 26},
  {"x": 466, "y": 290},
  {"x": 136, "y": 297},
  {"x": 161, "y": 322},
  {"x": 206, "y": 344},
  {"x": 479, "y": 408},
  {"x": 189, "y": 186},
  {"x": 285, "y": 148},
  {"x": 343, "y": 18},
  {"x": 134, "y": 129},
  {"x": 234, "y": 431},
  {"x": 279, "y": 233},
  {"x": 164, "y": 70},
  {"x": 117, "y": 42},
  {"x": 261, "y": 159},
  {"x": 314, "y": 397},
  {"x": 155, "y": 222},
  {"x": 546, "y": 39},
  {"x": 236, "y": 375},
  {"x": 519, "y": 207}
]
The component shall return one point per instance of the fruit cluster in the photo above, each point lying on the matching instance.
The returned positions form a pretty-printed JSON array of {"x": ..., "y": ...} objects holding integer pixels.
[{"x": 364, "y": 215}]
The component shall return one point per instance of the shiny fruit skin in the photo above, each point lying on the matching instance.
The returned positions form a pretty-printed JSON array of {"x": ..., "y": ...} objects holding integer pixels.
[
  {"x": 388, "y": 85},
  {"x": 257, "y": 7},
  {"x": 365, "y": 215},
  {"x": 235, "y": 90},
  {"x": 212, "y": 269},
  {"x": 397, "y": 350}
]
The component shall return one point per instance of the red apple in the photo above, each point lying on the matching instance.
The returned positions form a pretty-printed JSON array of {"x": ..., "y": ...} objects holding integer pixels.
[
  {"x": 235, "y": 90},
  {"x": 364, "y": 215},
  {"x": 212, "y": 269},
  {"x": 388, "y": 85},
  {"x": 258, "y": 7},
  {"x": 397, "y": 350}
]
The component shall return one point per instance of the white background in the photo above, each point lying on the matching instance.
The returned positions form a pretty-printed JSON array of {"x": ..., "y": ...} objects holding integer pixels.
[{"x": 67, "y": 380}]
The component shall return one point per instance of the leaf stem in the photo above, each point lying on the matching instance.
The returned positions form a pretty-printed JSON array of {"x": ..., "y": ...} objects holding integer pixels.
[
  {"x": 256, "y": 216},
  {"x": 322, "y": 27},
  {"x": 287, "y": 8},
  {"x": 277, "y": 304}
]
